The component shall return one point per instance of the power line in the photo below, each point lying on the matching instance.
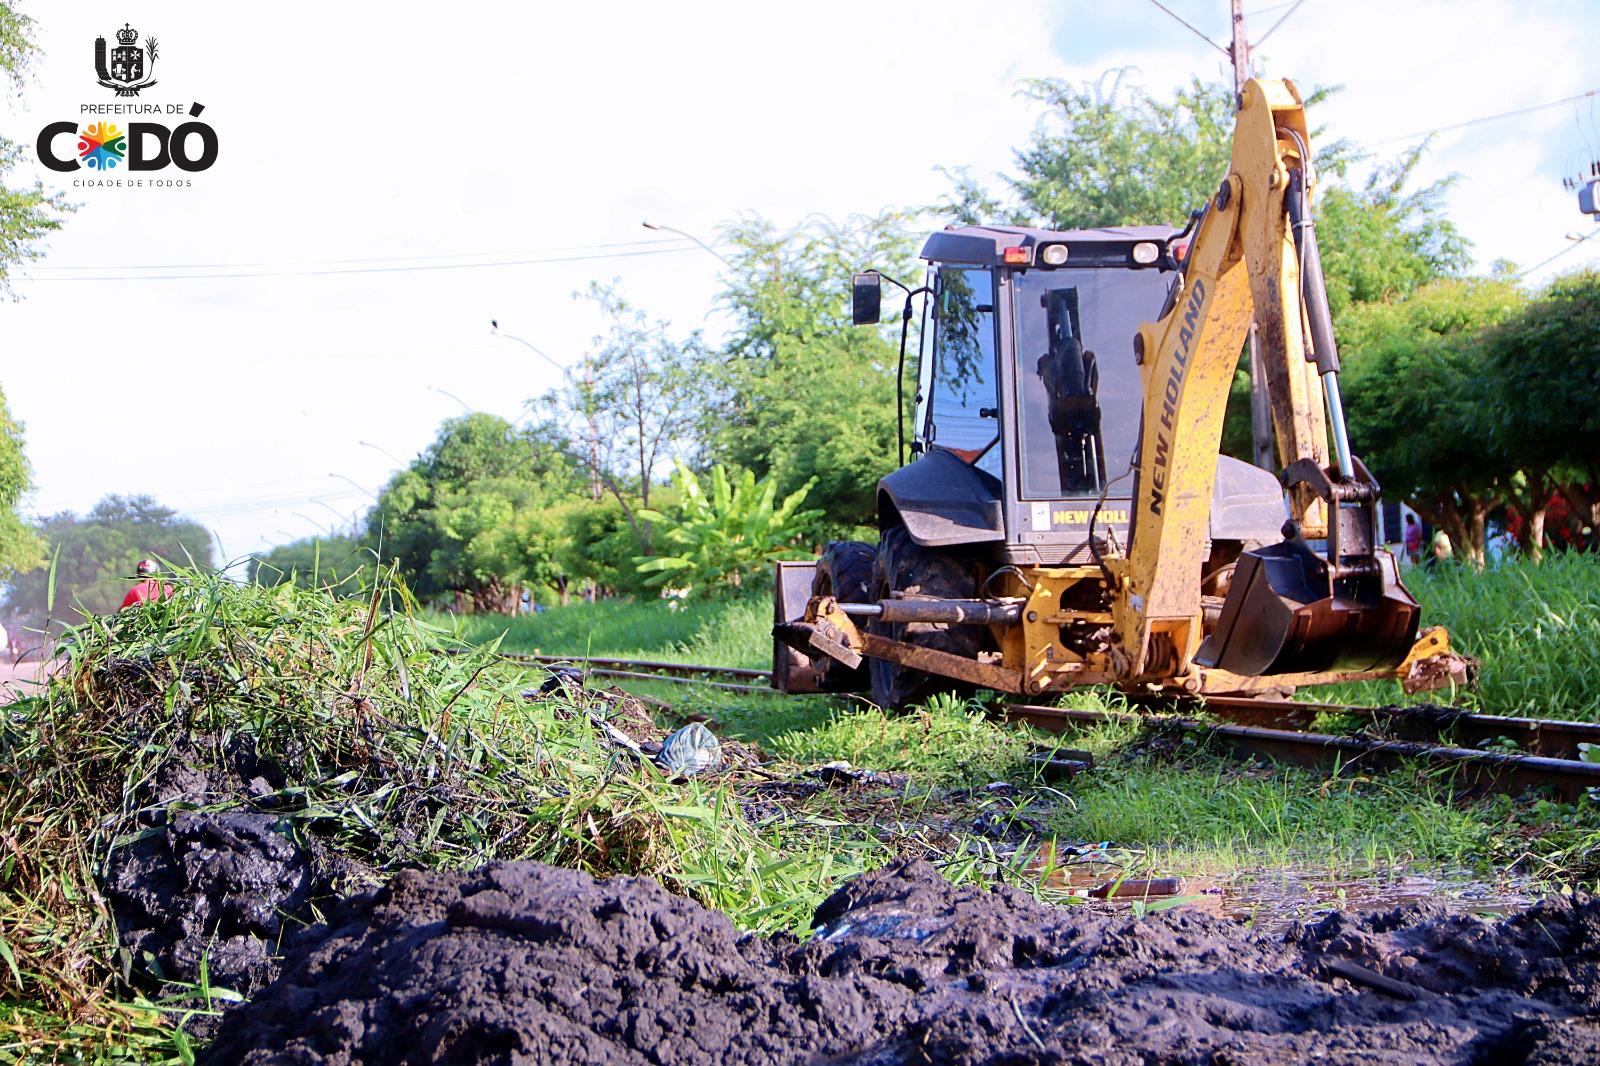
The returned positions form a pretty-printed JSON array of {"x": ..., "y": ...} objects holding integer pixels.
[
  {"x": 362, "y": 270},
  {"x": 1546, "y": 262},
  {"x": 1285, "y": 18},
  {"x": 1190, "y": 28},
  {"x": 1488, "y": 118},
  {"x": 371, "y": 259}
]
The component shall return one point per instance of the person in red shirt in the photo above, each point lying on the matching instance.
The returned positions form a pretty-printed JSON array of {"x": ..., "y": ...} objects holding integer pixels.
[{"x": 148, "y": 589}]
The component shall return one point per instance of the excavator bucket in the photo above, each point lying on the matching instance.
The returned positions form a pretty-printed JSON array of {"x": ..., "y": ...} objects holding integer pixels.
[{"x": 1280, "y": 618}]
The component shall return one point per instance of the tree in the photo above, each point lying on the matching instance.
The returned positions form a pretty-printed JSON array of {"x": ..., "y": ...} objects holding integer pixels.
[
  {"x": 459, "y": 521},
  {"x": 635, "y": 407},
  {"x": 1117, "y": 156},
  {"x": 1418, "y": 404},
  {"x": 333, "y": 563},
  {"x": 1541, "y": 371},
  {"x": 801, "y": 393},
  {"x": 27, "y": 212},
  {"x": 20, "y": 547},
  {"x": 92, "y": 559}
]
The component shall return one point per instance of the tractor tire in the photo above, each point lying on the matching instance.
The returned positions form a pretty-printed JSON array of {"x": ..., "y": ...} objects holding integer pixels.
[
  {"x": 844, "y": 571},
  {"x": 919, "y": 573}
]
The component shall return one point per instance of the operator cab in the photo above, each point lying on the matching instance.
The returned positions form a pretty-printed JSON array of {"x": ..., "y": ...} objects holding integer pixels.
[{"x": 1028, "y": 398}]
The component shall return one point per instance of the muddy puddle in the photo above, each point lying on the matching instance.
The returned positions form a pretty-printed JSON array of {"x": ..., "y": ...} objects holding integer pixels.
[{"x": 1273, "y": 899}]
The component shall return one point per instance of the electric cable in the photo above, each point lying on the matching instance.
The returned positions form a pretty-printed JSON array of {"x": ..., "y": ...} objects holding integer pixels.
[
  {"x": 1190, "y": 28},
  {"x": 1486, "y": 118},
  {"x": 374, "y": 259},
  {"x": 1551, "y": 259},
  {"x": 357, "y": 270}
]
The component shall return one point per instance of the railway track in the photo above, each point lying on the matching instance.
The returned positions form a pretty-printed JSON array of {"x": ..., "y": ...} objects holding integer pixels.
[
  {"x": 1485, "y": 752},
  {"x": 1476, "y": 770},
  {"x": 737, "y": 678}
]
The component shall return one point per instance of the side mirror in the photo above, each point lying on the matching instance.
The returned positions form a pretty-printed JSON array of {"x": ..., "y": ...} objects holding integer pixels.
[{"x": 866, "y": 299}]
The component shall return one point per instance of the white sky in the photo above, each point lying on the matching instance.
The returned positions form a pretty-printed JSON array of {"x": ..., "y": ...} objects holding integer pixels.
[{"x": 362, "y": 135}]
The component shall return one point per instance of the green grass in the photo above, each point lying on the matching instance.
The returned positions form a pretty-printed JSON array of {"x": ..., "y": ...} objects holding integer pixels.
[
  {"x": 1534, "y": 626},
  {"x": 721, "y": 632},
  {"x": 1536, "y": 629},
  {"x": 946, "y": 742}
]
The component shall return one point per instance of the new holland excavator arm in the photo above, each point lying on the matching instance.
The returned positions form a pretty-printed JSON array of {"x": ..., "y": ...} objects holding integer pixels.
[{"x": 1291, "y": 608}]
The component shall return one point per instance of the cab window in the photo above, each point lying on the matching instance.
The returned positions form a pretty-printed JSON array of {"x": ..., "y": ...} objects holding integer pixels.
[{"x": 963, "y": 417}]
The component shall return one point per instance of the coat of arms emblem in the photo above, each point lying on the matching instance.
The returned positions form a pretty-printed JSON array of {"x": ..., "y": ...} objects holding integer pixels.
[{"x": 127, "y": 72}]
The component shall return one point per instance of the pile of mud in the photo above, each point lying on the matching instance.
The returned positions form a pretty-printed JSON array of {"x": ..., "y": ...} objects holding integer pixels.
[
  {"x": 526, "y": 963},
  {"x": 224, "y": 859}
]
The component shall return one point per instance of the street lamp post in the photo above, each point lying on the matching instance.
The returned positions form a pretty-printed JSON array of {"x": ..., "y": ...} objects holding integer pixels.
[{"x": 588, "y": 401}]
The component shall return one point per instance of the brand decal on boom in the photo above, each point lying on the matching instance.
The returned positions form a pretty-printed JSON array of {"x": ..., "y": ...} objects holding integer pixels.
[{"x": 1171, "y": 394}]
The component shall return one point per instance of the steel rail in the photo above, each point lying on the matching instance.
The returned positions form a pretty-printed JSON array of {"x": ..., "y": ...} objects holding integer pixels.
[
  {"x": 675, "y": 679},
  {"x": 637, "y": 664},
  {"x": 1477, "y": 770},
  {"x": 1534, "y": 736}
]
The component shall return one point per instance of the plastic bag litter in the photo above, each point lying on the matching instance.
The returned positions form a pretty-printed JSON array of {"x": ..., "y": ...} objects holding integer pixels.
[{"x": 691, "y": 750}]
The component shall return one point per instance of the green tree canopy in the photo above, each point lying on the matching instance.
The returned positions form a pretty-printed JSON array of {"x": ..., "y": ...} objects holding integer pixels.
[
  {"x": 802, "y": 393},
  {"x": 1114, "y": 155},
  {"x": 1417, "y": 397},
  {"x": 1541, "y": 404},
  {"x": 93, "y": 558},
  {"x": 27, "y": 213},
  {"x": 20, "y": 547},
  {"x": 461, "y": 519},
  {"x": 334, "y": 562}
]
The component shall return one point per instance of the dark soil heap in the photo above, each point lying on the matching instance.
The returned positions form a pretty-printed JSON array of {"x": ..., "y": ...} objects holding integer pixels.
[{"x": 522, "y": 963}]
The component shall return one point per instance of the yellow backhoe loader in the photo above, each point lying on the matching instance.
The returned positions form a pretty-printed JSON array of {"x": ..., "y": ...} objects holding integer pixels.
[{"x": 1068, "y": 518}]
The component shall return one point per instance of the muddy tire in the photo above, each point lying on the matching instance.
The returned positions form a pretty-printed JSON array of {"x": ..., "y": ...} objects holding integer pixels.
[
  {"x": 919, "y": 573},
  {"x": 844, "y": 571}
]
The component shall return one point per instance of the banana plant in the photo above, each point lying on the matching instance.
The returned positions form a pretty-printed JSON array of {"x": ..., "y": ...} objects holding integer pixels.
[{"x": 718, "y": 540}]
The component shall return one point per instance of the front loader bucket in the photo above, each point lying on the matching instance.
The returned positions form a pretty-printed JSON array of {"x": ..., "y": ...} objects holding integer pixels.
[{"x": 1279, "y": 618}]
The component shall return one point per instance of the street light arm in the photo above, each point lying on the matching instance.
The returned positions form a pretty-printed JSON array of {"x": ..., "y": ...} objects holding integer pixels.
[
  {"x": 689, "y": 236},
  {"x": 535, "y": 349},
  {"x": 359, "y": 487}
]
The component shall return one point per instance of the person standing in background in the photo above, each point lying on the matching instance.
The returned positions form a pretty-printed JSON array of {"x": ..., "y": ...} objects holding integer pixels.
[
  {"x": 1442, "y": 550},
  {"x": 1413, "y": 539},
  {"x": 148, "y": 589}
]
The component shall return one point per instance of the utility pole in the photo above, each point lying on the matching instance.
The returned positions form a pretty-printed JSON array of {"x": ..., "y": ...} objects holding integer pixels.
[{"x": 1263, "y": 448}]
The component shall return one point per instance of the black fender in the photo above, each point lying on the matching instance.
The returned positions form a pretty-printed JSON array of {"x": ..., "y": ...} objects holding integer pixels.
[{"x": 942, "y": 501}]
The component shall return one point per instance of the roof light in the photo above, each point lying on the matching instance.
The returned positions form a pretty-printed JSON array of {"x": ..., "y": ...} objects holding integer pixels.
[
  {"x": 1145, "y": 253},
  {"x": 1017, "y": 255},
  {"x": 1053, "y": 254},
  {"x": 1180, "y": 252}
]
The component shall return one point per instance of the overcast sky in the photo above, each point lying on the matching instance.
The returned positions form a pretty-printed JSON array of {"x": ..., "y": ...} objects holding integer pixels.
[{"x": 374, "y": 157}]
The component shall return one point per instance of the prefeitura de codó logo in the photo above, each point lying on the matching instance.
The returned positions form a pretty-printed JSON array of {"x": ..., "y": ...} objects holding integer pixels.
[{"x": 106, "y": 147}]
